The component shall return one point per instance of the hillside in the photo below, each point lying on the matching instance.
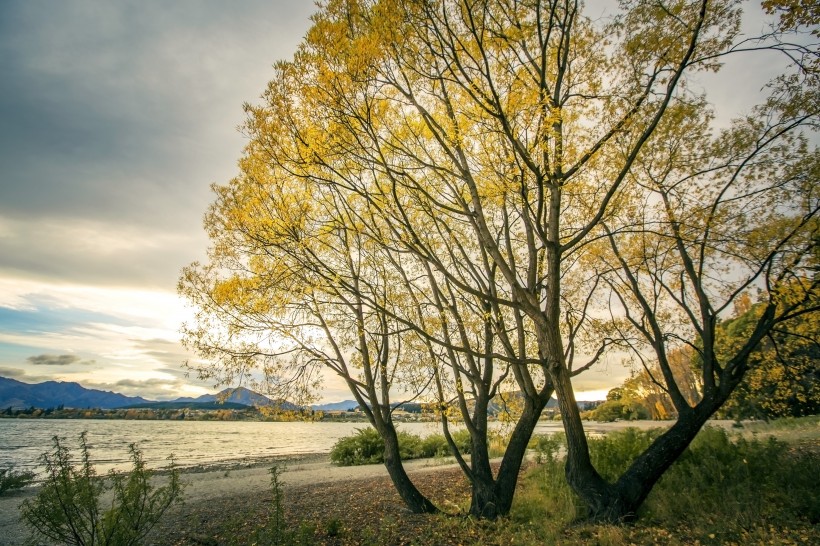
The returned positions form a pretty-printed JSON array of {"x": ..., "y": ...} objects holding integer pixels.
[{"x": 51, "y": 394}]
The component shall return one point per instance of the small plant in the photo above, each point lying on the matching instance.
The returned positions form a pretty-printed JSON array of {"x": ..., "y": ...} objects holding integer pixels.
[
  {"x": 11, "y": 479},
  {"x": 68, "y": 509},
  {"x": 548, "y": 447},
  {"x": 334, "y": 527},
  {"x": 276, "y": 532}
]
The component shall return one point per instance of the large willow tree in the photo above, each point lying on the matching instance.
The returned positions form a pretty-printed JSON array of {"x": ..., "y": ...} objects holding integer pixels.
[{"x": 441, "y": 196}]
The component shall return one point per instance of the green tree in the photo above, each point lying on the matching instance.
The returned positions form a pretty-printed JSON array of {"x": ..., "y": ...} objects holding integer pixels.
[{"x": 784, "y": 378}]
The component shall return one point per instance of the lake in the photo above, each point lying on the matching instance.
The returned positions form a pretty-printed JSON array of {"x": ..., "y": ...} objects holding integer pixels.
[{"x": 22, "y": 441}]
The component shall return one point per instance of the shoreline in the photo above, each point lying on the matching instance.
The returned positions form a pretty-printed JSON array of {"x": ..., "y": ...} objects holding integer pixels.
[{"x": 247, "y": 479}]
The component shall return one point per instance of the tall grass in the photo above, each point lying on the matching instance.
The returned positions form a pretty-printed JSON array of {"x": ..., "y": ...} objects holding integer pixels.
[{"x": 724, "y": 488}]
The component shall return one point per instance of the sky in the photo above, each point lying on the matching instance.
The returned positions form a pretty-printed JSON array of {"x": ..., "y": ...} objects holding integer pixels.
[{"x": 115, "y": 118}]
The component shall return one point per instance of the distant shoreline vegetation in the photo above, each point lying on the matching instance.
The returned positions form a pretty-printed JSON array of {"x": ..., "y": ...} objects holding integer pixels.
[{"x": 169, "y": 411}]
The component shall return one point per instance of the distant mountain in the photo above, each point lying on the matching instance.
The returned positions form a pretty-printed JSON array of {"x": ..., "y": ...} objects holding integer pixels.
[
  {"x": 239, "y": 395},
  {"x": 51, "y": 394},
  {"x": 175, "y": 405},
  {"x": 344, "y": 405}
]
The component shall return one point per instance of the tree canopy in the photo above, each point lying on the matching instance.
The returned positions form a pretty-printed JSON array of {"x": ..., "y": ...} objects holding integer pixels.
[{"x": 441, "y": 200}]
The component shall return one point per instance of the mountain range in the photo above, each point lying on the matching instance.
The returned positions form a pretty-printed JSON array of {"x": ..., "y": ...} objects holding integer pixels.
[{"x": 52, "y": 394}]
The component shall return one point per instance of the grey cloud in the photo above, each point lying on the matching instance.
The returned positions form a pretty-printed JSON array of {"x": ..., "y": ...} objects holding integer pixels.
[
  {"x": 146, "y": 383},
  {"x": 96, "y": 253},
  {"x": 13, "y": 373},
  {"x": 122, "y": 114},
  {"x": 152, "y": 389},
  {"x": 22, "y": 375},
  {"x": 53, "y": 360}
]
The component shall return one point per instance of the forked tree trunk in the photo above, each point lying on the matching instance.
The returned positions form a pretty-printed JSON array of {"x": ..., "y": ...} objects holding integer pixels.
[
  {"x": 507, "y": 479},
  {"x": 493, "y": 497},
  {"x": 619, "y": 502}
]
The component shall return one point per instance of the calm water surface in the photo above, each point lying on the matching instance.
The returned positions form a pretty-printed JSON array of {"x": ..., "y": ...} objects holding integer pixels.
[{"x": 22, "y": 441}]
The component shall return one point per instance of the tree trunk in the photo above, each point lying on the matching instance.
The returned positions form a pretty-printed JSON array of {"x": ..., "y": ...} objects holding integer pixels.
[
  {"x": 599, "y": 495},
  {"x": 492, "y": 498},
  {"x": 416, "y": 502},
  {"x": 620, "y": 502},
  {"x": 507, "y": 479}
]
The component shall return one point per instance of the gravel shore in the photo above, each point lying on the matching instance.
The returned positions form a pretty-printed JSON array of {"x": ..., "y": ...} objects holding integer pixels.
[{"x": 314, "y": 491}]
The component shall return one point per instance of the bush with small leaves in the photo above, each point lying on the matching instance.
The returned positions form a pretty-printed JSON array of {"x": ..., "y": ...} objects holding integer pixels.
[{"x": 68, "y": 508}]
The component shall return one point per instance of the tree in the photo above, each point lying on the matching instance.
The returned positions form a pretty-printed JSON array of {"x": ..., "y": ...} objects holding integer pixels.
[
  {"x": 646, "y": 387},
  {"x": 509, "y": 166},
  {"x": 783, "y": 378},
  {"x": 715, "y": 232},
  {"x": 287, "y": 290}
]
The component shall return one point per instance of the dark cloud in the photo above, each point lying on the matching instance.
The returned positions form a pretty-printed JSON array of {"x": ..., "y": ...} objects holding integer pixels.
[
  {"x": 54, "y": 360},
  {"x": 13, "y": 373},
  {"x": 148, "y": 383}
]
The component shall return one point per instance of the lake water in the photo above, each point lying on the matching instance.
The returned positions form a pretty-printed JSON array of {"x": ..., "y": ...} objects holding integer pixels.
[{"x": 22, "y": 441}]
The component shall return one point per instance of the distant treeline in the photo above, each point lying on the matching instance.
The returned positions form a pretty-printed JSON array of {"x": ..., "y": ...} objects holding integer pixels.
[{"x": 205, "y": 412}]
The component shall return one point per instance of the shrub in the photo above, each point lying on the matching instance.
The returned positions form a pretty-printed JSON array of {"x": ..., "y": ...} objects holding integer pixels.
[
  {"x": 367, "y": 447},
  {"x": 411, "y": 446},
  {"x": 11, "y": 479},
  {"x": 435, "y": 445},
  {"x": 722, "y": 481},
  {"x": 364, "y": 447},
  {"x": 463, "y": 441},
  {"x": 548, "y": 447},
  {"x": 613, "y": 453},
  {"x": 68, "y": 508},
  {"x": 723, "y": 485}
]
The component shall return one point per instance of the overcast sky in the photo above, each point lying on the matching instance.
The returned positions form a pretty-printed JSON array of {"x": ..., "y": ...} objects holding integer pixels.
[{"x": 115, "y": 117}]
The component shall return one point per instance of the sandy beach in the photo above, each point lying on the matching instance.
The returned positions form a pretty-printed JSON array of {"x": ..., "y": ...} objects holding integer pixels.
[{"x": 229, "y": 484}]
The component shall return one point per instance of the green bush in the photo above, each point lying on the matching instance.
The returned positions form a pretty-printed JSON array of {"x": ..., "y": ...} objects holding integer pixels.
[
  {"x": 435, "y": 445},
  {"x": 613, "y": 410},
  {"x": 11, "y": 479},
  {"x": 68, "y": 508},
  {"x": 548, "y": 447},
  {"x": 612, "y": 453},
  {"x": 411, "y": 446},
  {"x": 367, "y": 447},
  {"x": 364, "y": 447}
]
